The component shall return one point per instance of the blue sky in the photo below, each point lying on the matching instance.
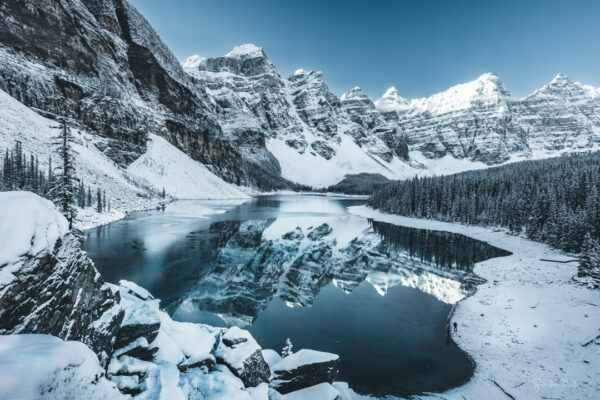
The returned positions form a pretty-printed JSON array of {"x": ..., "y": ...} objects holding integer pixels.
[{"x": 421, "y": 47}]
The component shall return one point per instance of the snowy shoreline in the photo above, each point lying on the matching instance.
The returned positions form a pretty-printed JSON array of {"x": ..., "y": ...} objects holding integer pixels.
[{"x": 525, "y": 326}]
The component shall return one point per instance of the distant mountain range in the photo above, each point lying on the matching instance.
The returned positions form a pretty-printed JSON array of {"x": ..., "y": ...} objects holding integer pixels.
[{"x": 101, "y": 64}]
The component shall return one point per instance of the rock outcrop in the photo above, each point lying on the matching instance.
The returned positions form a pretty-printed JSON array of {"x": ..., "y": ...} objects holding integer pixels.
[
  {"x": 54, "y": 290},
  {"x": 303, "y": 369}
]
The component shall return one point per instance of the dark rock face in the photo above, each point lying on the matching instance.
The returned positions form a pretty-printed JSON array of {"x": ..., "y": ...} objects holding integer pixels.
[
  {"x": 129, "y": 333},
  {"x": 62, "y": 294},
  {"x": 101, "y": 64},
  {"x": 319, "y": 232},
  {"x": 305, "y": 374}
]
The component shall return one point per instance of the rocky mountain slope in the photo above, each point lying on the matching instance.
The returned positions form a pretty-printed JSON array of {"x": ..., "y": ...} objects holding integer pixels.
[
  {"x": 480, "y": 121},
  {"x": 288, "y": 124}
]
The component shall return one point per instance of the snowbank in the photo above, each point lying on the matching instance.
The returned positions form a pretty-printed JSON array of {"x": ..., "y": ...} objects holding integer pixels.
[
  {"x": 29, "y": 224},
  {"x": 53, "y": 369},
  {"x": 165, "y": 166},
  {"x": 525, "y": 326}
]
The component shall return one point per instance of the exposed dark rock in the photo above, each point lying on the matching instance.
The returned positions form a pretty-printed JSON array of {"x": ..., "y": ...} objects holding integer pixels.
[
  {"x": 296, "y": 234},
  {"x": 242, "y": 355},
  {"x": 62, "y": 294},
  {"x": 323, "y": 149},
  {"x": 319, "y": 232},
  {"x": 129, "y": 333}
]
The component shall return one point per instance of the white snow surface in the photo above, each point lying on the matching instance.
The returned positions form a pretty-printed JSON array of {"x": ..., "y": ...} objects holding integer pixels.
[
  {"x": 304, "y": 357},
  {"x": 246, "y": 50},
  {"x": 29, "y": 224},
  {"x": 525, "y": 326},
  {"x": 44, "y": 366},
  {"x": 165, "y": 166}
]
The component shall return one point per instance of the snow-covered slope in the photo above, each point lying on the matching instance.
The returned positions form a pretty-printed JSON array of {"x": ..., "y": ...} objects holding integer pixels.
[
  {"x": 93, "y": 167},
  {"x": 164, "y": 166}
]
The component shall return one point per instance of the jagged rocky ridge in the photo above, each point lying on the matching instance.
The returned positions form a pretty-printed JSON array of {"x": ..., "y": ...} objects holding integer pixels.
[
  {"x": 480, "y": 121},
  {"x": 272, "y": 118}
]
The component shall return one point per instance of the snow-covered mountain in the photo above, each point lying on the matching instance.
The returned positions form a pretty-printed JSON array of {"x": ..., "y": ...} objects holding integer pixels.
[
  {"x": 102, "y": 65},
  {"x": 289, "y": 124},
  {"x": 480, "y": 121}
]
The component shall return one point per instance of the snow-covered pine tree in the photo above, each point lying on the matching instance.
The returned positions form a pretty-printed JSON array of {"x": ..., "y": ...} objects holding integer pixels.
[
  {"x": 590, "y": 253},
  {"x": 98, "y": 200},
  {"x": 62, "y": 191},
  {"x": 287, "y": 349},
  {"x": 89, "y": 197}
]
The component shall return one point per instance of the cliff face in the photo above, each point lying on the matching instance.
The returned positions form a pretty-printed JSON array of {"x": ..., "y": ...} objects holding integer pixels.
[{"x": 101, "y": 64}]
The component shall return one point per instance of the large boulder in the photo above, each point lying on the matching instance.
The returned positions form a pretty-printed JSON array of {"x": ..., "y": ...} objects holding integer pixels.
[
  {"x": 239, "y": 351},
  {"x": 303, "y": 369}
]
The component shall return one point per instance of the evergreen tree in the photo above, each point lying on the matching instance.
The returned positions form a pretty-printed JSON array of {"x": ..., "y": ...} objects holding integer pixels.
[
  {"x": 287, "y": 349},
  {"x": 590, "y": 253},
  {"x": 63, "y": 187},
  {"x": 98, "y": 200}
]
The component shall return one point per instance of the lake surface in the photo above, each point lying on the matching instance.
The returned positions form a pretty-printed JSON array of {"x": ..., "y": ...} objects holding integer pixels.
[{"x": 301, "y": 267}]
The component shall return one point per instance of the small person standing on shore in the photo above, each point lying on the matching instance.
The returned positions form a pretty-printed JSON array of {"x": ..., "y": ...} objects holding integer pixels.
[{"x": 455, "y": 326}]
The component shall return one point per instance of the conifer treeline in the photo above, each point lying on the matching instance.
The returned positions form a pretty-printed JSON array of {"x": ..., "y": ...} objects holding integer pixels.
[
  {"x": 555, "y": 201},
  {"x": 20, "y": 171}
]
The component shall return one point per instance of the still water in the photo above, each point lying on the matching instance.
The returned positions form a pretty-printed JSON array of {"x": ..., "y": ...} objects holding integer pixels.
[{"x": 302, "y": 267}]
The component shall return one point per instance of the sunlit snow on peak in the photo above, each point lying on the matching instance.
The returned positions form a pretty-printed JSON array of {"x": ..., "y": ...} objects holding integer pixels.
[{"x": 246, "y": 50}]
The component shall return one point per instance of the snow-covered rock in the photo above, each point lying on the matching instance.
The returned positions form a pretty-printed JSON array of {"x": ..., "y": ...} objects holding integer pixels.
[
  {"x": 304, "y": 369},
  {"x": 239, "y": 351},
  {"x": 46, "y": 367},
  {"x": 321, "y": 391},
  {"x": 47, "y": 283}
]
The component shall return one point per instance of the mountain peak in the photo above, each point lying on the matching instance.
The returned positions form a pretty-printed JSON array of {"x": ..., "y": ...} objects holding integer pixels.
[
  {"x": 193, "y": 62},
  {"x": 392, "y": 101},
  {"x": 246, "y": 50},
  {"x": 560, "y": 79},
  {"x": 355, "y": 93}
]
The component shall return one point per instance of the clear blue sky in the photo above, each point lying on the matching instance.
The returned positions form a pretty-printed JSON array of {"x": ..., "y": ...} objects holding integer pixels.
[{"x": 421, "y": 47}]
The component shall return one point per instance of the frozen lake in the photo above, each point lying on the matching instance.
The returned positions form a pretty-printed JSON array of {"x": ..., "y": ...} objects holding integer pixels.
[{"x": 301, "y": 267}]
